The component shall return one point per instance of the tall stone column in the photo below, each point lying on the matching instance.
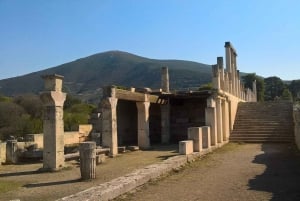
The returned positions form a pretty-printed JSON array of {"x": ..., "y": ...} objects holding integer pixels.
[
  {"x": 211, "y": 120},
  {"x": 165, "y": 79},
  {"x": 53, "y": 126},
  {"x": 143, "y": 124},
  {"x": 216, "y": 77},
  {"x": 221, "y": 71},
  {"x": 109, "y": 124},
  {"x": 228, "y": 57},
  {"x": 254, "y": 90},
  {"x": 165, "y": 123},
  {"x": 225, "y": 117},
  {"x": 219, "y": 120}
]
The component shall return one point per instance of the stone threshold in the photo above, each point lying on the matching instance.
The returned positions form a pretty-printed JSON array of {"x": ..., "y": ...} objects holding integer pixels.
[{"x": 116, "y": 187}]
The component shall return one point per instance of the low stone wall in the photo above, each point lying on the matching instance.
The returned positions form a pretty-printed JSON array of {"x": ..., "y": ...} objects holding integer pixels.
[{"x": 296, "y": 112}]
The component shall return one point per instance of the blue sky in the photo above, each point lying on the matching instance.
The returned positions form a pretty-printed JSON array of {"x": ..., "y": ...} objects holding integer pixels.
[{"x": 39, "y": 34}]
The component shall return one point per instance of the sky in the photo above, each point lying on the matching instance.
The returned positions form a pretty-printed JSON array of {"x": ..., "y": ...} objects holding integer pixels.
[{"x": 39, "y": 34}]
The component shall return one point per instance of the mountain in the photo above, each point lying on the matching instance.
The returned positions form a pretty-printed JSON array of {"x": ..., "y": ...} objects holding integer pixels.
[{"x": 85, "y": 77}]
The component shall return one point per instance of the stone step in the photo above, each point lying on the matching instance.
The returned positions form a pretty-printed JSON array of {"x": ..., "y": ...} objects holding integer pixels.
[{"x": 264, "y": 122}]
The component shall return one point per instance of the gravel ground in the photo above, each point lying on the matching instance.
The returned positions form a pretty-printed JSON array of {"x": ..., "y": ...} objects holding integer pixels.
[
  {"x": 23, "y": 182},
  {"x": 250, "y": 172}
]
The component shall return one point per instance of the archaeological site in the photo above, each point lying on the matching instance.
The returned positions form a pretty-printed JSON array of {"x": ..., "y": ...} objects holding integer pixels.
[{"x": 133, "y": 120}]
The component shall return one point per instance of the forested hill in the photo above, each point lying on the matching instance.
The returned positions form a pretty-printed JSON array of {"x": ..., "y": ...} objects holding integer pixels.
[{"x": 87, "y": 75}]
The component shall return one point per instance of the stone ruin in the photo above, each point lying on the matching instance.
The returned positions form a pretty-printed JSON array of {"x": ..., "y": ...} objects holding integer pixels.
[{"x": 136, "y": 118}]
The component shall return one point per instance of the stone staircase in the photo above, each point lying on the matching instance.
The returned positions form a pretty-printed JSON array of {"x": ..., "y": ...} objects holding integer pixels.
[{"x": 263, "y": 122}]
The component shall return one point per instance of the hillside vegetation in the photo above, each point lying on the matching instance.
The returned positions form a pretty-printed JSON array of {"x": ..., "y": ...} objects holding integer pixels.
[{"x": 85, "y": 77}]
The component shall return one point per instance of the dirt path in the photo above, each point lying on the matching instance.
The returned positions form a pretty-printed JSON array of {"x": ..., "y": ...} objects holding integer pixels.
[
  {"x": 244, "y": 172},
  {"x": 25, "y": 183}
]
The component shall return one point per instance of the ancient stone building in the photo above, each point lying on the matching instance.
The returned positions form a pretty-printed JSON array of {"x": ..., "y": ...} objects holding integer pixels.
[{"x": 142, "y": 117}]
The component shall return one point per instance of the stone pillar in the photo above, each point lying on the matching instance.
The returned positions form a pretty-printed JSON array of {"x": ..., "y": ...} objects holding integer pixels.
[
  {"x": 53, "y": 126},
  {"x": 254, "y": 90},
  {"x": 109, "y": 124},
  {"x": 165, "y": 123},
  {"x": 228, "y": 57},
  {"x": 225, "y": 117},
  {"x": 165, "y": 79},
  {"x": 221, "y": 71},
  {"x": 206, "y": 139},
  {"x": 216, "y": 77},
  {"x": 143, "y": 124},
  {"x": 211, "y": 119},
  {"x": 195, "y": 134},
  {"x": 11, "y": 151},
  {"x": 226, "y": 82},
  {"x": 219, "y": 120},
  {"x": 87, "y": 152}
]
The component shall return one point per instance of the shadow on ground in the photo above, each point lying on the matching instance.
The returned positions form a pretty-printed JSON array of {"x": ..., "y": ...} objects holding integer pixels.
[
  {"x": 282, "y": 174},
  {"x": 51, "y": 183}
]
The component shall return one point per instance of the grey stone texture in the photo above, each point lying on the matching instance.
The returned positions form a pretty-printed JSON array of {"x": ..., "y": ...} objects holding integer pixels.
[{"x": 87, "y": 152}]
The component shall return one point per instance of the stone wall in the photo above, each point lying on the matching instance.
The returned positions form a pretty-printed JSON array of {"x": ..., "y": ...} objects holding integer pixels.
[
  {"x": 186, "y": 113},
  {"x": 127, "y": 122},
  {"x": 297, "y": 124}
]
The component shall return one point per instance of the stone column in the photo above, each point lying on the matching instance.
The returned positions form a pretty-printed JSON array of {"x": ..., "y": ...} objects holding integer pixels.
[
  {"x": 225, "y": 117},
  {"x": 143, "y": 124},
  {"x": 211, "y": 120},
  {"x": 216, "y": 77},
  {"x": 228, "y": 57},
  {"x": 254, "y": 90},
  {"x": 165, "y": 123},
  {"x": 109, "y": 124},
  {"x": 221, "y": 71},
  {"x": 219, "y": 120},
  {"x": 165, "y": 79},
  {"x": 87, "y": 152},
  {"x": 11, "y": 151},
  {"x": 53, "y": 126}
]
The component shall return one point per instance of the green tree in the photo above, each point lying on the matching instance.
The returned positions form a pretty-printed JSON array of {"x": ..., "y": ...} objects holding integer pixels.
[
  {"x": 294, "y": 88},
  {"x": 207, "y": 86},
  {"x": 274, "y": 87},
  {"x": 286, "y": 95},
  {"x": 260, "y": 85},
  {"x": 76, "y": 113}
]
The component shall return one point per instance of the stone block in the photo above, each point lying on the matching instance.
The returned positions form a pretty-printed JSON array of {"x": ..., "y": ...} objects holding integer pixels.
[
  {"x": 121, "y": 149},
  {"x": 100, "y": 158},
  {"x": 195, "y": 134},
  {"x": 133, "y": 148},
  {"x": 206, "y": 143},
  {"x": 186, "y": 147}
]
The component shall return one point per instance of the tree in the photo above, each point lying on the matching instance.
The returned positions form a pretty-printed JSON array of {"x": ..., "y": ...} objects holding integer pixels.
[
  {"x": 286, "y": 95},
  {"x": 294, "y": 88},
  {"x": 274, "y": 87},
  {"x": 260, "y": 86}
]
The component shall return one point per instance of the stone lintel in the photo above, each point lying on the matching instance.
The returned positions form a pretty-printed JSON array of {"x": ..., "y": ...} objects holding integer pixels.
[{"x": 136, "y": 96}]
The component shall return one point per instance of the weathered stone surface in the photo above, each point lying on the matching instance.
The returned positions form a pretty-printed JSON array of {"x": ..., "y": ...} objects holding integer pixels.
[
  {"x": 186, "y": 147},
  {"x": 195, "y": 134},
  {"x": 143, "y": 124},
  {"x": 87, "y": 152},
  {"x": 206, "y": 137},
  {"x": 12, "y": 151}
]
